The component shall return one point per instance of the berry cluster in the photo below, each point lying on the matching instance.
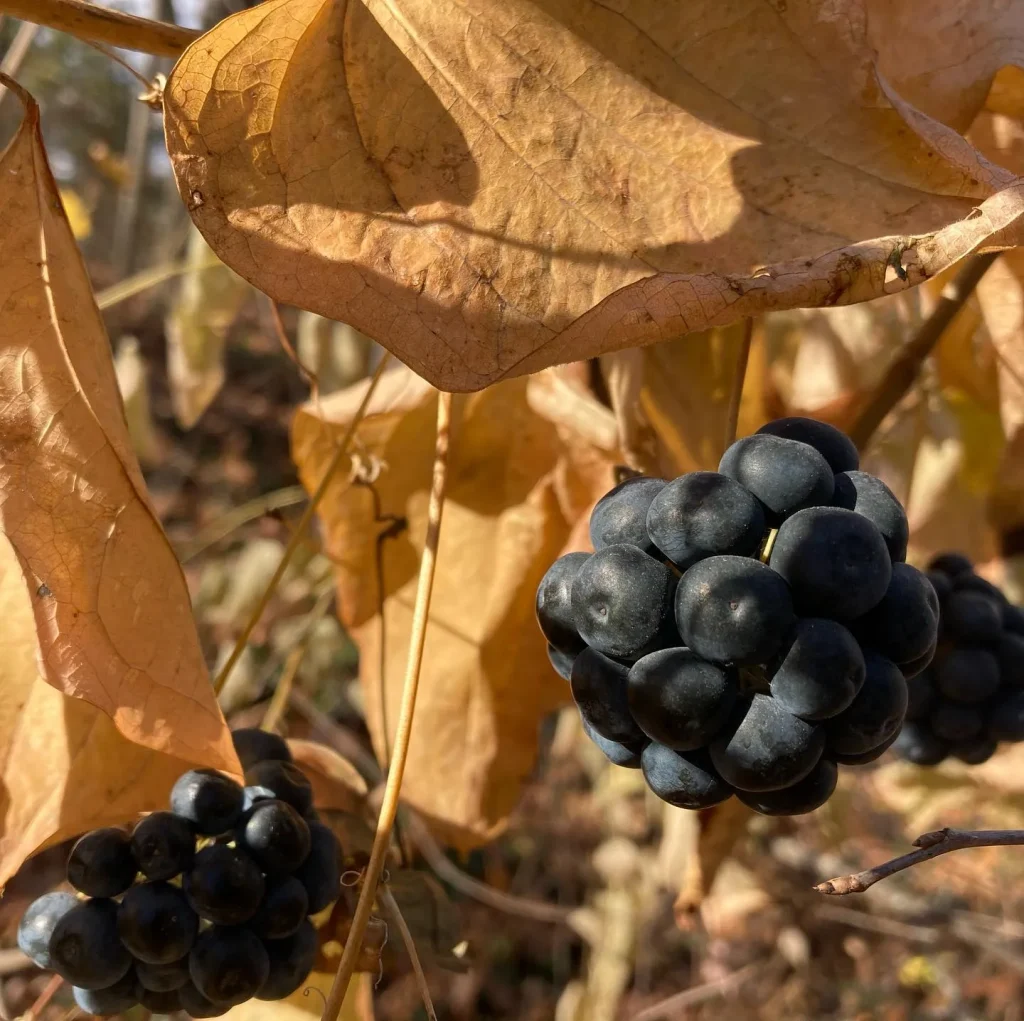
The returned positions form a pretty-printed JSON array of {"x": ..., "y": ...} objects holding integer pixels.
[
  {"x": 219, "y": 914},
  {"x": 971, "y": 697},
  {"x": 746, "y": 630}
]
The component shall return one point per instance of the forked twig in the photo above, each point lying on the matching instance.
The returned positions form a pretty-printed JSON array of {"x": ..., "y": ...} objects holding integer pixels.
[
  {"x": 900, "y": 376},
  {"x": 300, "y": 529},
  {"x": 387, "y": 898},
  {"x": 396, "y": 770},
  {"x": 930, "y": 845}
]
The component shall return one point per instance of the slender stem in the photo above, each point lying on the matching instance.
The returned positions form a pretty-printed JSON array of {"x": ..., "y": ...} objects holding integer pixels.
[
  {"x": 111, "y": 55},
  {"x": 391, "y": 906},
  {"x": 277, "y": 499},
  {"x": 521, "y": 907},
  {"x": 279, "y": 700},
  {"x": 17, "y": 52},
  {"x": 300, "y": 529},
  {"x": 736, "y": 397},
  {"x": 101, "y": 24},
  {"x": 671, "y": 1006},
  {"x": 282, "y": 338},
  {"x": 907, "y": 364},
  {"x": 48, "y": 993},
  {"x": 146, "y": 278},
  {"x": 930, "y": 845},
  {"x": 396, "y": 770},
  {"x": 346, "y": 745}
]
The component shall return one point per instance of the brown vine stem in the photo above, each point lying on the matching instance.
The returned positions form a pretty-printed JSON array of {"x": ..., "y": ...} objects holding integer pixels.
[
  {"x": 930, "y": 845},
  {"x": 346, "y": 745},
  {"x": 736, "y": 397},
  {"x": 396, "y": 769},
  {"x": 101, "y": 24},
  {"x": 387, "y": 898},
  {"x": 298, "y": 536},
  {"x": 900, "y": 376},
  {"x": 48, "y": 993}
]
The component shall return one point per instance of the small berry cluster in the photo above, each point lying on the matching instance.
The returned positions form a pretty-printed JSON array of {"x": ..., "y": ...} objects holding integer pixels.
[
  {"x": 199, "y": 908},
  {"x": 971, "y": 697},
  {"x": 747, "y": 630}
]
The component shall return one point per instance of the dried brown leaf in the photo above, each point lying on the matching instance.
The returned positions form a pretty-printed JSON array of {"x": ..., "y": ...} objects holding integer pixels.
[
  {"x": 106, "y": 698},
  {"x": 518, "y": 482},
  {"x": 488, "y": 189},
  {"x": 336, "y": 782}
]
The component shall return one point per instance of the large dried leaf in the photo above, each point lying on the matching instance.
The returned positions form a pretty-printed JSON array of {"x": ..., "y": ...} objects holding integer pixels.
[
  {"x": 106, "y": 697},
  {"x": 518, "y": 483},
  {"x": 493, "y": 187}
]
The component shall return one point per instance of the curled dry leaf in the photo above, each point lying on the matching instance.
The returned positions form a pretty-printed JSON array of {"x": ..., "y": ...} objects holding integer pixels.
[
  {"x": 337, "y": 784},
  {"x": 518, "y": 482},
  {"x": 198, "y": 321},
  {"x": 106, "y": 698},
  {"x": 489, "y": 189}
]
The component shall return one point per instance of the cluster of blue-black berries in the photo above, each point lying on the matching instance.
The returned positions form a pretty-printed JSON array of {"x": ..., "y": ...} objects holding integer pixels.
[
  {"x": 199, "y": 908},
  {"x": 971, "y": 696},
  {"x": 748, "y": 630}
]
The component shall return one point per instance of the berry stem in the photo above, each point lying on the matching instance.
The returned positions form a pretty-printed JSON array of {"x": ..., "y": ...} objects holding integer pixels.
[
  {"x": 396, "y": 768},
  {"x": 930, "y": 845},
  {"x": 298, "y": 536},
  {"x": 766, "y": 550}
]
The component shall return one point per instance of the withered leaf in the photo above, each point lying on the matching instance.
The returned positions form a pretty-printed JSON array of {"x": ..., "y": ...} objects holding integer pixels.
[
  {"x": 337, "y": 784},
  {"x": 491, "y": 188},
  {"x": 106, "y": 698},
  {"x": 518, "y": 483}
]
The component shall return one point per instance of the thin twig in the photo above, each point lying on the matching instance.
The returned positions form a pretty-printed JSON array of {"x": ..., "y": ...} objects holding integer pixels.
[
  {"x": 300, "y": 529},
  {"x": 870, "y": 923},
  {"x": 111, "y": 55},
  {"x": 521, "y": 907},
  {"x": 733, "y": 416},
  {"x": 341, "y": 740},
  {"x": 146, "y": 278},
  {"x": 930, "y": 845},
  {"x": 48, "y": 993},
  {"x": 900, "y": 376},
  {"x": 282, "y": 338},
  {"x": 346, "y": 745},
  {"x": 396, "y": 770},
  {"x": 387, "y": 898},
  {"x": 699, "y": 994},
  {"x": 279, "y": 700},
  {"x": 16, "y": 53},
  {"x": 275, "y": 500},
  {"x": 87, "y": 21}
]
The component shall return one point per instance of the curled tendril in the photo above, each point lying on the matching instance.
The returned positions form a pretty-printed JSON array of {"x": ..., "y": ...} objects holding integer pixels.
[
  {"x": 319, "y": 992},
  {"x": 352, "y": 877}
]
